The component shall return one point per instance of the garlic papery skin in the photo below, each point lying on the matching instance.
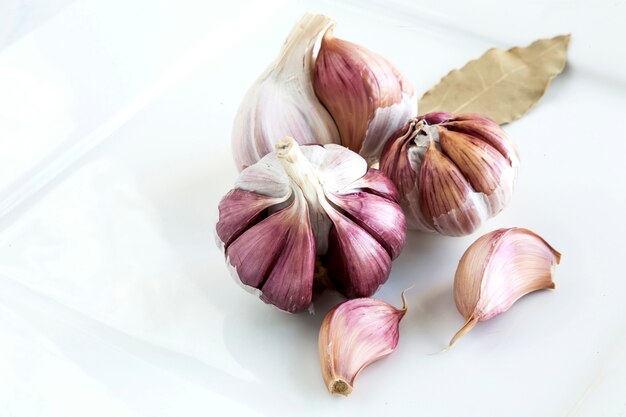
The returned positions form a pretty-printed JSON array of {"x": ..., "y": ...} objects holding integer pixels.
[
  {"x": 355, "y": 334},
  {"x": 366, "y": 95},
  {"x": 282, "y": 101},
  {"x": 303, "y": 205},
  {"x": 498, "y": 269},
  {"x": 452, "y": 171}
]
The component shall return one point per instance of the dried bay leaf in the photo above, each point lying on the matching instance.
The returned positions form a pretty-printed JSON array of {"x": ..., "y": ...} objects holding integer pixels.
[{"x": 501, "y": 84}]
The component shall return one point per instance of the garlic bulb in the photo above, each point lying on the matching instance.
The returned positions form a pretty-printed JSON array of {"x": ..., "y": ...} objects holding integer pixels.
[
  {"x": 498, "y": 269},
  {"x": 452, "y": 171},
  {"x": 282, "y": 101},
  {"x": 303, "y": 203},
  {"x": 353, "y": 335},
  {"x": 366, "y": 95}
]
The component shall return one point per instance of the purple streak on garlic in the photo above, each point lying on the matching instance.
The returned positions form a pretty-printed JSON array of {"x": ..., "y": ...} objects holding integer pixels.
[
  {"x": 498, "y": 269},
  {"x": 282, "y": 101},
  {"x": 353, "y": 335},
  {"x": 366, "y": 95},
  {"x": 302, "y": 204},
  {"x": 452, "y": 172}
]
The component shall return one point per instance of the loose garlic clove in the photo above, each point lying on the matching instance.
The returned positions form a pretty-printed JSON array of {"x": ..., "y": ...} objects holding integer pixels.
[
  {"x": 305, "y": 205},
  {"x": 282, "y": 101},
  {"x": 366, "y": 95},
  {"x": 452, "y": 172},
  {"x": 353, "y": 335},
  {"x": 498, "y": 269}
]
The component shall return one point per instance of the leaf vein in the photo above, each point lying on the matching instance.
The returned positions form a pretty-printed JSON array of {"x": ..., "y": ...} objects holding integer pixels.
[{"x": 525, "y": 64}]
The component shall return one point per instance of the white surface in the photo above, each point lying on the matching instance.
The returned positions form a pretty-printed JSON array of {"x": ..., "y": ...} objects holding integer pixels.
[{"x": 115, "y": 125}]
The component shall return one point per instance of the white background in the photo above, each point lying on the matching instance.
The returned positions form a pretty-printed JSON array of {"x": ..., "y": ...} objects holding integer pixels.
[{"x": 115, "y": 121}]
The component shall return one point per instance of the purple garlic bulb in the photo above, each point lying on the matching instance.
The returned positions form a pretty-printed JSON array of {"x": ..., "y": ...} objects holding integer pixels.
[
  {"x": 452, "y": 171},
  {"x": 305, "y": 205}
]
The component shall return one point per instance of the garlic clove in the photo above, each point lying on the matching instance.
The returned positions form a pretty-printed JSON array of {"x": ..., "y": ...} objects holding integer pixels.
[
  {"x": 277, "y": 256},
  {"x": 357, "y": 263},
  {"x": 375, "y": 182},
  {"x": 289, "y": 286},
  {"x": 366, "y": 95},
  {"x": 487, "y": 130},
  {"x": 239, "y": 210},
  {"x": 396, "y": 163},
  {"x": 498, "y": 269},
  {"x": 381, "y": 219},
  {"x": 467, "y": 154},
  {"x": 353, "y": 335},
  {"x": 401, "y": 160},
  {"x": 445, "y": 195},
  {"x": 482, "y": 165},
  {"x": 282, "y": 100}
]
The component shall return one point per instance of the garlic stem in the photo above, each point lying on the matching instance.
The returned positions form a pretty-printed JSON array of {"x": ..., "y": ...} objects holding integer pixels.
[
  {"x": 302, "y": 175},
  {"x": 426, "y": 135},
  {"x": 299, "y": 170}
]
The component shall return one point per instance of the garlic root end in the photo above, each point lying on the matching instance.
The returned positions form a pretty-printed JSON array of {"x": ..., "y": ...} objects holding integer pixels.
[{"x": 341, "y": 387}]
